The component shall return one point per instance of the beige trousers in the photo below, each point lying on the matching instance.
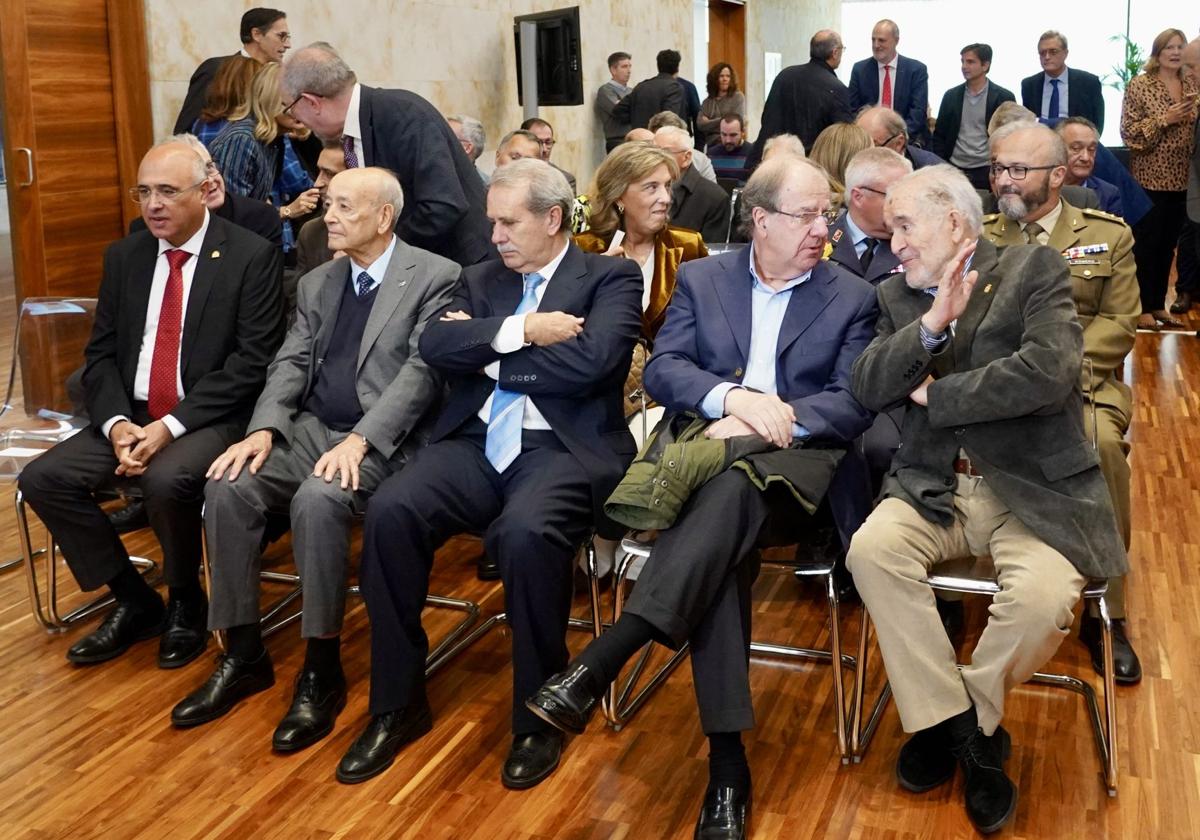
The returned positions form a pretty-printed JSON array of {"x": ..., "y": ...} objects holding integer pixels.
[
  {"x": 1111, "y": 424},
  {"x": 890, "y": 557}
]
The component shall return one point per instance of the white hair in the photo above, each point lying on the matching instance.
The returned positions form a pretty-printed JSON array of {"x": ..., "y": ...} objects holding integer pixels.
[
  {"x": 677, "y": 139},
  {"x": 1056, "y": 149},
  {"x": 547, "y": 186},
  {"x": 874, "y": 164},
  {"x": 472, "y": 129},
  {"x": 786, "y": 144},
  {"x": 946, "y": 188}
]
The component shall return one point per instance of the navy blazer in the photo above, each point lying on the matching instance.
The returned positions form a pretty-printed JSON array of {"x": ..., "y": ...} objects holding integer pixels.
[
  {"x": 910, "y": 92},
  {"x": 1084, "y": 98},
  {"x": 705, "y": 341},
  {"x": 445, "y": 203},
  {"x": 576, "y": 384},
  {"x": 883, "y": 264}
]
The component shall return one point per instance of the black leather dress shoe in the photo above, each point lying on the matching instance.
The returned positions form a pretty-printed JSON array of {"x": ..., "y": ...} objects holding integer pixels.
[
  {"x": 925, "y": 760},
  {"x": 129, "y": 518},
  {"x": 531, "y": 758},
  {"x": 991, "y": 797},
  {"x": 121, "y": 628},
  {"x": 375, "y": 750},
  {"x": 1183, "y": 302},
  {"x": 315, "y": 707},
  {"x": 1127, "y": 668},
  {"x": 486, "y": 568},
  {"x": 566, "y": 700},
  {"x": 233, "y": 680},
  {"x": 724, "y": 815},
  {"x": 186, "y": 635}
]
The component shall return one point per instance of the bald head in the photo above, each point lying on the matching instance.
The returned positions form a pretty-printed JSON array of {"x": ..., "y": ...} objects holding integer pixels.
[
  {"x": 1191, "y": 61},
  {"x": 826, "y": 45},
  {"x": 171, "y": 187},
  {"x": 886, "y": 128},
  {"x": 361, "y": 207},
  {"x": 639, "y": 134}
]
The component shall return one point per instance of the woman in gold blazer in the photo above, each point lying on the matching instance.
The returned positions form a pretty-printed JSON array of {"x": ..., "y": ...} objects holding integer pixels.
[{"x": 629, "y": 203}]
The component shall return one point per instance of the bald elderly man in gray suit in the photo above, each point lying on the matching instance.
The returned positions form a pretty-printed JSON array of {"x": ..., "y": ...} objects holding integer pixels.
[{"x": 346, "y": 404}]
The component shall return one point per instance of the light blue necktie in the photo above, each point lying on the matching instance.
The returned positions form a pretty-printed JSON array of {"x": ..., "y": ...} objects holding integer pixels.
[
  {"x": 508, "y": 407},
  {"x": 365, "y": 282}
]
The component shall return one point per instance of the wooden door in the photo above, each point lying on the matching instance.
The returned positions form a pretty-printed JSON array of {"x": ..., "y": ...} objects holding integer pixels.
[{"x": 75, "y": 98}]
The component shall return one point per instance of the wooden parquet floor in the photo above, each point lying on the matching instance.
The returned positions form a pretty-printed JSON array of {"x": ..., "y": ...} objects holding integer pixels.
[{"x": 91, "y": 753}]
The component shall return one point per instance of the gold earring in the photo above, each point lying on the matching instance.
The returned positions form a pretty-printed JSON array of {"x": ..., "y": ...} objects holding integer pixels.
[{"x": 621, "y": 208}]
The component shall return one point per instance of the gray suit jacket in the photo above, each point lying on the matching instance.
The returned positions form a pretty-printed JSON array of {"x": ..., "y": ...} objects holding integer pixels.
[
  {"x": 1193, "y": 191},
  {"x": 1005, "y": 390},
  {"x": 399, "y": 394}
]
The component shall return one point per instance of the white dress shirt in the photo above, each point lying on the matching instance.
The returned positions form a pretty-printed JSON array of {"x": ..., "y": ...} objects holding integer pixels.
[
  {"x": 158, "y": 288},
  {"x": 353, "y": 127},
  {"x": 879, "y": 65},
  {"x": 377, "y": 270},
  {"x": 510, "y": 338}
]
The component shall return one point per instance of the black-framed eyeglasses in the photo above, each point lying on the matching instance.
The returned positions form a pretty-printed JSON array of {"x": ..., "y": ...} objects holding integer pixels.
[
  {"x": 288, "y": 108},
  {"x": 890, "y": 138},
  {"x": 1018, "y": 171},
  {"x": 142, "y": 194},
  {"x": 872, "y": 190},
  {"x": 830, "y": 216}
]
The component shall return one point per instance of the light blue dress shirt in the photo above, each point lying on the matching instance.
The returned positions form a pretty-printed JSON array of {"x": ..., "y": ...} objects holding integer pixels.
[
  {"x": 768, "y": 308},
  {"x": 1048, "y": 89},
  {"x": 856, "y": 236}
]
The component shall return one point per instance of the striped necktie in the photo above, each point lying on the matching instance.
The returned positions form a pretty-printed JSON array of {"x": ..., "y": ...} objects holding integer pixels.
[{"x": 503, "y": 443}]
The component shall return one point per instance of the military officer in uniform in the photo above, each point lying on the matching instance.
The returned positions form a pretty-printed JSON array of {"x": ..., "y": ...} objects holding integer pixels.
[
  {"x": 860, "y": 239},
  {"x": 1028, "y": 170}
]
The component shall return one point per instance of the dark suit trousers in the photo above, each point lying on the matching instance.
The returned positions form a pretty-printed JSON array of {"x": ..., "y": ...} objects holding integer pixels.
[
  {"x": 1187, "y": 260},
  {"x": 61, "y": 484},
  {"x": 697, "y": 584},
  {"x": 1155, "y": 238},
  {"x": 534, "y": 516}
]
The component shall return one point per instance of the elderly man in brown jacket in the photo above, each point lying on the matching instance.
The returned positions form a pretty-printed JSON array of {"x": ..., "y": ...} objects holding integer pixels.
[{"x": 1098, "y": 250}]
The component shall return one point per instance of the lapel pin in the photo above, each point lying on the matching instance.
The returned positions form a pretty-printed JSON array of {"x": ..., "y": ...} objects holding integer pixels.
[
  {"x": 216, "y": 254},
  {"x": 837, "y": 236},
  {"x": 987, "y": 288}
]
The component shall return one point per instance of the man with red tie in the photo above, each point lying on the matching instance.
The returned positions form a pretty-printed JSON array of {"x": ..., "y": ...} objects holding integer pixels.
[
  {"x": 188, "y": 319},
  {"x": 891, "y": 80}
]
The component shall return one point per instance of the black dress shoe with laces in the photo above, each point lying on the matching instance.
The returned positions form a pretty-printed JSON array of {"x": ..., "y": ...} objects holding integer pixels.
[
  {"x": 991, "y": 797},
  {"x": 1127, "y": 668},
  {"x": 724, "y": 815},
  {"x": 315, "y": 707},
  {"x": 233, "y": 680},
  {"x": 531, "y": 758},
  {"x": 375, "y": 750},
  {"x": 129, "y": 518},
  {"x": 186, "y": 635},
  {"x": 566, "y": 700},
  {"x": 486, "y": 568},
  {"x": 925, "y": 760},
  {"x": 122, "y": 627}
]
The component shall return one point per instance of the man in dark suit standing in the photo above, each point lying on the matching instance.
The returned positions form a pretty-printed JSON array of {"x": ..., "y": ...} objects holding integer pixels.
[
  {"x": 985, "y": 349},
  {"x": 265, "y": 37},
  {"x": 1059, "y": 91},
  {"x": 658, "y": 93},
  {"x": 891, "y": 80},
  {"x": 960, "y": 135},
  {"x": 400, "y": 131},
  {"x": 806, "y": 98},
  {"x": 188, "y": 319},
  {"x": 347, "y": 402},
  {"x": 761, "y": 341},
  {"x": 530, "y": 443},
  {"x": 696, "y": 203}
]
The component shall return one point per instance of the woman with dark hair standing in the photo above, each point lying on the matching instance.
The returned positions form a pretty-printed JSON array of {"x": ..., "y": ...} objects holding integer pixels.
[
  {"x": 723, "y": 99},
  {"x": 1157, "y": 119}
]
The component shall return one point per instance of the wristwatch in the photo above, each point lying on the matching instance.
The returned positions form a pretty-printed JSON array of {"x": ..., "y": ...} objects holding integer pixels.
[{"x": 285, "y": 212}]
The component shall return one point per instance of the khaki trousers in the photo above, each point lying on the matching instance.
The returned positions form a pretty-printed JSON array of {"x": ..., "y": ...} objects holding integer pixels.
[
  {"x": 1111, "y": 424},
  {"x": 890, "y": 557}
]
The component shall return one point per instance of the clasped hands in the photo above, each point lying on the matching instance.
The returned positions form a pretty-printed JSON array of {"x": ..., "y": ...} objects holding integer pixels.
[{"x": 135, "y": 445}]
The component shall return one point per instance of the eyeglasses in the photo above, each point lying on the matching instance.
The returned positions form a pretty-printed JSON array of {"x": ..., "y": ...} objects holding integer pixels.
[
  {"x": 287, "y": 109},
  {"x": 890, "y": 138},
  {"x": 549, "y": 144},
  {"x": 1049, "y": 53},
  {"x": 1017, "y": 171},
  {"x": 805, "y": 219},
  {"x": 872, "y": 190},
  {"x": 165, "y": 192}
]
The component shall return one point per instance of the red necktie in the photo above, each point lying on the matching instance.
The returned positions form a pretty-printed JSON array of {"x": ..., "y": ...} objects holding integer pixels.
[
  {"x": 886, "y": 101},
  {"x": 164, "y": 364}
]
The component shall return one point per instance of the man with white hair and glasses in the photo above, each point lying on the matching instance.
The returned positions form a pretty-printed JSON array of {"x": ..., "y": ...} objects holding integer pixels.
[{"x": 986, "y": 348}]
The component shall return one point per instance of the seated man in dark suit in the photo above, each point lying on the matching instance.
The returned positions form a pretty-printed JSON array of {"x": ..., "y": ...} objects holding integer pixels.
[
  {"x": 887, "y": 129},
  {"x": 696, "y": 203},
  {"x": 347, "y": 403},
  {"x": 761, "y": 341},
  {"x": 890, "y": 80},
  {"x": 400, "y": 131},
  {"x": 188, "y": 319},
  {"x": 1082, "y": 139},
  {"x": 312, "y": 243},
  {"x": 265, "y": 37},
  {"x": 860, "y": 237},
  {"x": 985, "y": 348},
  {"x": 659, "y": 93},
  {"x": 728, "y": 154},
  {"x": 531, "y": 441},
  {"x": 1058, "y": 91}
]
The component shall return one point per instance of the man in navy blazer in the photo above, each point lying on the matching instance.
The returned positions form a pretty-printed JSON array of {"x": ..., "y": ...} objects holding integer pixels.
[
  {"x": 908, "y": 79},
  {"x": 1078, "y": 90},
  {"x": 761, "y": 341},
  {"x": 530, "y": 442},
  {"x": 443, "y": 196}
]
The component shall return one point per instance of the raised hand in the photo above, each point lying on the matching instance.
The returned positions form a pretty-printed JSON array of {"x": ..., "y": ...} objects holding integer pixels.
[{"x": 953, "y": 291}]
